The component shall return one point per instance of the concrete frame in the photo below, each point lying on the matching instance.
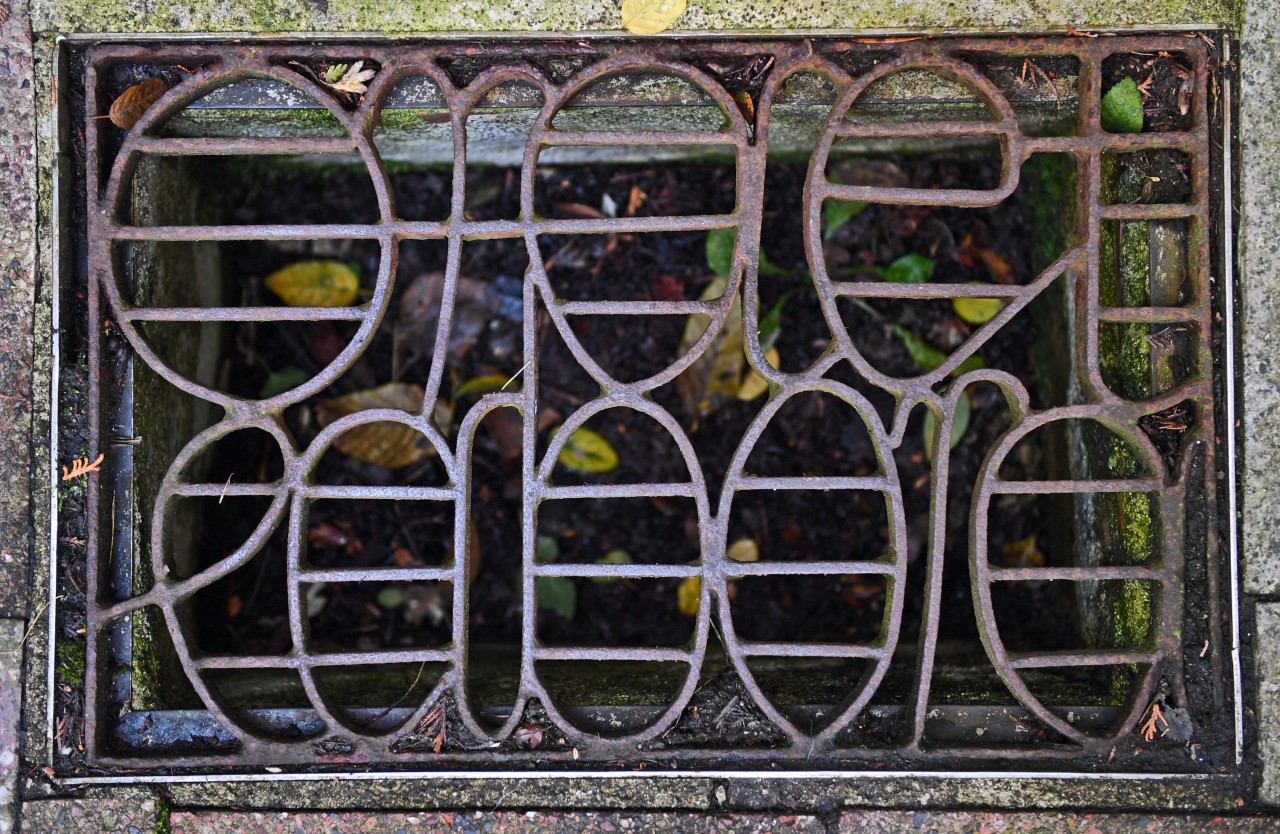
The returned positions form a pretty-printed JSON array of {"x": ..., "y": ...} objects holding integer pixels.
[{"x": 28, "y": 226}]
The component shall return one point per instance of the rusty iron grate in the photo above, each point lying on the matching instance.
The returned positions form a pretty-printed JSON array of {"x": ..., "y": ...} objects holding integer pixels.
[{"x": 862, "y": 721}]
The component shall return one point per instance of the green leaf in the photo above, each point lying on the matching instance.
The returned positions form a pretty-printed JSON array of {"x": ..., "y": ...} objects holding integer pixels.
[
  {"x": 767, "y": 267},
  {"x": 558, "y": 594},
  {"x": 959, "y": 425},
  {"x": 771, "y": 324},
  {"x": 484, "y": 384},
  {"x": 836, "y": 213},
  {"x": 928, "y": 357},
  {"x": 335, "y": 72},
  {"x": 613, "y": 557},
  {"x": 548, "y": 549},
  {"x": 282, "y": 380},
  {"x": 720, "y": 251},
  {"x": 1122, "y": 108},
  {"x": 909, "y": 269},
  {"x": 925, "y": 355},
  {"x": 587, "y": 451},
  {"x": 390, "y": 597}
]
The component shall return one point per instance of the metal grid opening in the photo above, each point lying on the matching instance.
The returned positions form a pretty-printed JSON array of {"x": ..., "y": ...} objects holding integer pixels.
[{"x": 1109, "y": 448}]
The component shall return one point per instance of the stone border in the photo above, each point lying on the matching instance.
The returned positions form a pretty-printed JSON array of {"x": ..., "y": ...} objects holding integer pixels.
[{"x": 28, "y": 148}]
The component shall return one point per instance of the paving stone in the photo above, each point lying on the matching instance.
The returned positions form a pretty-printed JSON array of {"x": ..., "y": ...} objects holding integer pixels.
[
  {"x": 964, "y": 822},
  {"x": 1260, "y": 283},
  {"x": 17, "y": 299},
  {"x": 10, "y": 716},
  {"x": 482, "y": 823},
  {"x": 1267, "y": 657},
  {"x": 116, "y": 811}
]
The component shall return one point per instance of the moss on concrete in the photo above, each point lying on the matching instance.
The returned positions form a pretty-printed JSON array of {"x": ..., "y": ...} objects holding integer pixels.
[{"x": 419, "y": 16}]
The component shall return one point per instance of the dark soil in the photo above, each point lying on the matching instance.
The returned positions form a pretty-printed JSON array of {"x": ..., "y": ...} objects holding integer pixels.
[
  {"x": 1165, "y": 82},
  {"x": 810, "y": 435}
]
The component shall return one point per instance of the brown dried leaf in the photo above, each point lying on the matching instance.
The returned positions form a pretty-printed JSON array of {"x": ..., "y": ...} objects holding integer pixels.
[
  {"x": 649, "y": 17},
  {"x": 580, "y": 210},
  {"x": 386, "y": 444},
  {"x": 352, "y": 81},
  {"x": 528, "y": 735},
  {"x": 997, "y": 267},
  {"x": 133, "y": 102}
]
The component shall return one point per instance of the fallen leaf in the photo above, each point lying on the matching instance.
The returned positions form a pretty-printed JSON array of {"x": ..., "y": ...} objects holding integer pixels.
[
  {"x": 649, "y": 17},
  {"x": 687, "y": 593},
  {"x": 387, "y": 444},
  {"x": 1024, "y": 553},
  {"x": 909, "y": 269},
  {"x": 743, "y": 550},
  {"x": 580, "y": 210},
  {"x": 133, "y": 102},
  {"x": 720, "y": 251},
  {"x": 716, "y": 375},
  {"x": 928, "y": 357},
  {"x": 746, "y": 105},
  {"x": 771, "y": 324},
  {"x": 977, "y": 310},
  {"x": 836, "y": 213},
  {"x": 997, "y": 267},
  {"x": 484, "y": 384},
  {"x": 753, "y": 385},
  {"x": 391, "y": 597},
  {"x": 1122, "y": 108},
  {"x": 528, "y": 735},
  {"x": 613, "y": 557},
  {"x": 283, "y": 380},
  {"x": 325, "y": 534},
  {"x": 352, "y": 79},
  {"x": 315, "y": 284},
  {"x": 588, "y": 451},
  {"x": 234, "y": 606},
  {"x": 558, "y": 594},
  {"x": 959, "y": 425},
  {"x": 548, "y": 549},
  {"x": 505, "y": 427},
  {"x": 316, "y": 599}
]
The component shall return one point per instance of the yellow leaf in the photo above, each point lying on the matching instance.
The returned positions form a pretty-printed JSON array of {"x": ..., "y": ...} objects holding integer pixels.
[
  {"x": 649, "y": 17},
  {"x": 977, "y": 310},
  {"x": 1024, "y": 553},
  {"x": 587, "y": 451},
  {"x": 384, "y": 443},
  {"x": 753, "y": 385},
  {"x": 315, "y": 284},
  {"x": 687, "y": 594},
  {"x": 744, "y": 550},
  {"x": 483, "y": 384},
  {"x": 716, "y": 375}
]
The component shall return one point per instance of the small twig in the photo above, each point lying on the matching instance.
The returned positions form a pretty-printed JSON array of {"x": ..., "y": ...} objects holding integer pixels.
[
  {"x": 516, "y": 374},
  {"x": 225, "y": 487},
  {"x": 397, "y": 701},
  {"x": 44, "y": 607},
  {"x": 82, "y": 466}
]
